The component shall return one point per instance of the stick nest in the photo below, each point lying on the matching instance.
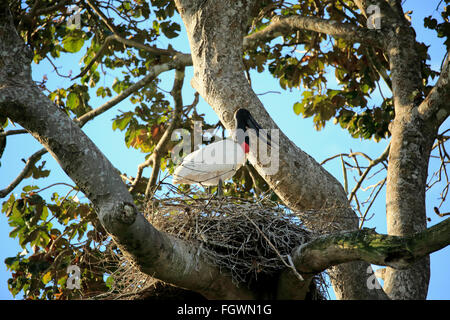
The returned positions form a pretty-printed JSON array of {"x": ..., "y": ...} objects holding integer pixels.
[
  {"x": 249, "y": 240},
  {"x": 245, "y": 238}
]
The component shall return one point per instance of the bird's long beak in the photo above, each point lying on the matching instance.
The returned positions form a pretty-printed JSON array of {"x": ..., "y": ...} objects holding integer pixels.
[{"x": 252, "y": 124}]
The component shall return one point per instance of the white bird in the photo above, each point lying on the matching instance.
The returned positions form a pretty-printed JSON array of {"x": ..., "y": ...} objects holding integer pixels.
[{"x": 219, "y": 161}]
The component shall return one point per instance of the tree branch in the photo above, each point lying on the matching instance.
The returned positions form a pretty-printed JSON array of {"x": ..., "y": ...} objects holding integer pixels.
[
  {"x": 158, "y": 254},
  {"x": 127, "y": 42},
  {"x": 102, "y": 16},
  {"x": 29, "y": 164},
  {"x": 287, "y": 25},
  {"x": 384, "y": 250},
  {"x": 436, "y": 106},
  {"x": 372, "y": 163},
  {"x": 216, "y": 46},
  {"x": 12, "y": 132},
  {"x": 152, "y": 74}
]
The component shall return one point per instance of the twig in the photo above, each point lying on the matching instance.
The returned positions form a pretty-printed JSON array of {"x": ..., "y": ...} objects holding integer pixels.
[
  {"x": 128, "y": 42},
  {"x": 370, "y": 205},
  {"x": 350, "y": 155},
  {"x": 261, "y": 94},
  {"x": 56, "y": 184},
  {"x": 344, "y": 172},
  {"x": 29, "y": 164},
  {"x": 105, "y": 19},
  {"x": 12, "y": 132},
  {"x": 289, "y": 264},
  {"x": 436, "y": 210},
  {"x": 372, "y": 163}
]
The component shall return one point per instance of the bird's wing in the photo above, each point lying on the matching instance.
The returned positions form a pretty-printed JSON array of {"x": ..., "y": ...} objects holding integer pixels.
[{"x": 219, "y": 160}]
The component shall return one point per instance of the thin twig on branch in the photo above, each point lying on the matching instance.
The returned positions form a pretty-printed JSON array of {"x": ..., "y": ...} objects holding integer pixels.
[
  {"x": 372, "y": 164},
  {"x": 12, "y": 132},
  {"x": 29, "y": 164}
]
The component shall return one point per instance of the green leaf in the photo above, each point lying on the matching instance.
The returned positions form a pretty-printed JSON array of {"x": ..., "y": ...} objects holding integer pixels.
[
  {"x": 122, "y": 123},
  {"x": 298, "y": 108},
  {"x": 47, "y": 277},
  {"x": 73, "y": 44},
  {"x": 109, "y": 281},
  {"x": 73, "y": 100},
  {"x": 30, "y": 237}
]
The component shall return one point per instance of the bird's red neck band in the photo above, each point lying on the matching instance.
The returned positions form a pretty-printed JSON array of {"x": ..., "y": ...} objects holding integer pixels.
[{"x": 245, "y": 147}]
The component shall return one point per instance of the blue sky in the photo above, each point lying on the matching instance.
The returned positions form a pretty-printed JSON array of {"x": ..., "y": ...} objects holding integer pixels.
[{"x": 320, "y": 145}]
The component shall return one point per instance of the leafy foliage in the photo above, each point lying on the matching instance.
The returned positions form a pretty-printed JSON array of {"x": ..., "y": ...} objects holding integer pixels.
[{"x": 61, "y": 231}]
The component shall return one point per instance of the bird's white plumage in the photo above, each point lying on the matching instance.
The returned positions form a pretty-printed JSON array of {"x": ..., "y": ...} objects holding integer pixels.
[{"x": 206, "y": 166}]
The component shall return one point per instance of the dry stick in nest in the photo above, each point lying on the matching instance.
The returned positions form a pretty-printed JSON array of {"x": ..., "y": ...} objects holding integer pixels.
[{"x": 290, "y": 265}]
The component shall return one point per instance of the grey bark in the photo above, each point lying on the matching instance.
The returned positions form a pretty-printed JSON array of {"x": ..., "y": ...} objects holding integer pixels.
[
  {"x": 215, "y": 31},
  {"x": 156, "y": 253}
]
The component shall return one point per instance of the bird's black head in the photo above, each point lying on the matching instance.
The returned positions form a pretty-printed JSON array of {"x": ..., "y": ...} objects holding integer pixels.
[
  {"x": 244, "y": 121},
  {"x": 241, "y": 118}
]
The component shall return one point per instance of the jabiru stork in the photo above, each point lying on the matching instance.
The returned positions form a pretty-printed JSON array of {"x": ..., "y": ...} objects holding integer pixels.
[{"x": 219, "y": 161}]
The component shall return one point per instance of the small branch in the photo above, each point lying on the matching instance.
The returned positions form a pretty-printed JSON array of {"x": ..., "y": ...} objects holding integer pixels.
[
  {"x": 367, "y": 245},
  {"x": 288, "y": 25},
  {"x": 436, "y": 210},
  {"x": 104, "y": 18},
  {"x": 436, "y": 106},
  {"x": 56, "y": 184},
  {"x": 267, "y": 92},
  {"x": 128, "y": 42},
  {"x": 344, "y": 173},
  {"x": 55, "y": 68},
  {"x": 29, "y": 164},
  {"x": 349, "y": 155},
  {"x": 372, "y": 164},
  {"x": 363, "y": 218},
  {"x": 153, "y": 73},
  {"x": 12, "y": 132},
  {"x": 161, "y": 147}
]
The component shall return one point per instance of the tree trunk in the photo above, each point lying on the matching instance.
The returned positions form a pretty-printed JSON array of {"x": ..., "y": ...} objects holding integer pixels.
[{"x": 216, "y": 31}]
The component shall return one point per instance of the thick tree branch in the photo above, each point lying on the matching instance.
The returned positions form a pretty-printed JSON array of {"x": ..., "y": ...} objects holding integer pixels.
[
  {"x": 384, "y": 250},
  {"x": 287, "y": 25},
  {"x": 410, "y": 147},
  {"x": 436, "y": 106},
  {"x": 157, "y": 253},
  {"x": 216, "y": 48}
]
